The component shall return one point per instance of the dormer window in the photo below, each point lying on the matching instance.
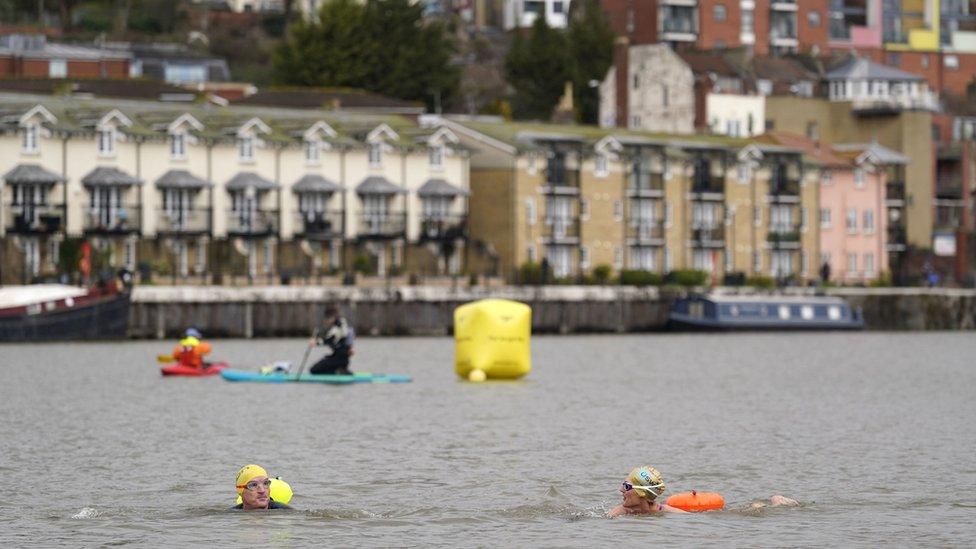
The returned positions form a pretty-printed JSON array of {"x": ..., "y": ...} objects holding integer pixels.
[
  {"x": 436, "y": 155},
  {"x": 106, "y": 141},
  {"x": 31, "y": 142},
  {"x": 177, "y": 145},
  {"x": 375, "y": 154},
  {"x": 245, "y": 149},
  {"x": 313, "y": 151}
]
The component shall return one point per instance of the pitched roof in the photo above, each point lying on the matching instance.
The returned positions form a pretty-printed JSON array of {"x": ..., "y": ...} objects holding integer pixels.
[
  {"x": 103, "y": 87},
  {"x": 315, "y": 183},
  {"x": 439, "y": 187},
  {"x": 861, "y": 68},
  {"x": 244, "y": 180},
  {"x": 181, "y": 179},
  {"x": 378, "y": 185},
  {"x": 701, "y": 63},
  {"x": 331, "y": 99},
  {"x": 104, "y": 176},
  {"x": 31, "y": 173},
  {"x": 821, "y": 153},
  {"x": 782, "y": 68},
  {"x": 882, "y": 154}
]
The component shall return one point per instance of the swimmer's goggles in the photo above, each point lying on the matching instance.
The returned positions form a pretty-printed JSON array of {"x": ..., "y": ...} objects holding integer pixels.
[
  {"x": 628, "y": 486},
  {"x": 254, "y": 485}
]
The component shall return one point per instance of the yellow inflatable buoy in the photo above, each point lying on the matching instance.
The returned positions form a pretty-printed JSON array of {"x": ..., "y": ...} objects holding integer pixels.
[
  {"x": 491, "y": 340},
  {"x": 279, "y": 491}
]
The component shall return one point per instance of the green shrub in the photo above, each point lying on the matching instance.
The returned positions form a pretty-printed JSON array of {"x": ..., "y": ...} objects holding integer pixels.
[
  {"x": 530, "y": 273},
  {"x": 883, "y": 280},
  {"x": 601, "y": 274},
  {"x": 364, "y": 264},
  {"x": 640, "y": 277},
  {"x": 687, "y": 277},
  {"x": 760, "y": 281}
]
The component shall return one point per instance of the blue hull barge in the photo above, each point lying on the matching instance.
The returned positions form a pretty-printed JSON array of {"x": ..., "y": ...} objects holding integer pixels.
[{"x": 763, "y": 312}]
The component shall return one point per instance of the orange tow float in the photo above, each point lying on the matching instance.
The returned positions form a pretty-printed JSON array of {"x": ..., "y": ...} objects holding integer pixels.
[{"x": 695, "y": 501}]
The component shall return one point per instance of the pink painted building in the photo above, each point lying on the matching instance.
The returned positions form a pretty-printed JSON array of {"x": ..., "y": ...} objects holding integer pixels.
[{"x": 853, "y": 211}]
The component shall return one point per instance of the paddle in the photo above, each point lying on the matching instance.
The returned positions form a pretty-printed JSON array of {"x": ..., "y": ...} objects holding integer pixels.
[
  {"x": 308, "y": 349},
  {"x": 165, "y": 358}
]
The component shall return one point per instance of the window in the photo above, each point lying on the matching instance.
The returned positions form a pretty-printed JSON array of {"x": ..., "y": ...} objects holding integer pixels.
[
  {"x": 557, "y": 7},
  {"x": 869, "y": 221},
  {"x": 742, "y": 172},
  {"x": 375, "y": 154},
  {"x": 245, "y": 149},
  {"x": 57, "y": 68},
  {"x": 668, "y": 214},
  {"x": 618, "y": 210},
  {"x": 852, "y": 264},
  {"x": 269, "y": 256},
  {"x": 530, "y": 215},
  {"x": 813, "y": 18},
  {"x": 313, "y": 151},
  {"x": 826, "y": 177},
  {"x": 813, "y": 130},
  {"x": 665, "y": 95},
  {"x": 951, "y": 62},
  {"x": 106, "y": 141},
  {"x": 584, "y": 209},
  {"x": 436, "y": 156},
  {"x": 584, "y": 257},
  {"x": 636, "y": 84},
  {"x": 618, "y": 257},
  {"x": 718, "y": 12},
  {"x": 728, "y": 259},
  {"x": 635, "y": 122},
  {"x": 530, "y": 253},
  {"x": 851, "y": 221},
  {"x": 756, "y": 262},
  {"x": 757, "y": 215},
  {"x": 859, "y": 178},
  {"x": 924, "y": 61},
  {"x": 770, "y": 125},
  {"x": 600, "y": 165},
  {"x": 177, "y": 145},
  {"x": 747, "y": 21},
  {"x": 30, "y": 143}
]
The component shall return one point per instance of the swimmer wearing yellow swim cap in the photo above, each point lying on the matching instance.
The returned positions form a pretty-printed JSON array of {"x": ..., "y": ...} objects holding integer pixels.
[
  {"x": 640, "y": 492},
  {"x": 254, "y": 488}
]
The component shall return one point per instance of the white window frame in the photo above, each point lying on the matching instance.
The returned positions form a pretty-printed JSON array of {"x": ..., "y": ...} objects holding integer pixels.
[
  {"x": 859, "y": 178},
  {"x": 851, "y": 221},
  {"x": 618, "y": 257},
  {"x": 825, "y": 218},
  {"x": 31, "y": 142},
  {"x": 375, "y": 155},
  {"x": 584, "y": 257},
  {"x": 618, "y": 210},
  {"x": 869, "y": 265},
  {"x": 57, "y": 68},
  {"x": 531, "y": 215},
  {"x": 851, "y": 264},
  {"x": 868, "y": 219},
  {"x": 435, "y": 156},
  {"x": 584, "y": 209},
  {"x": 313, "y": 152},
  {"x": 106, "y": 138},
  {"x": 601, "y": 165},
  {"x": 245, "y": 149},
  {"x": 177, "y": 145},
  {"x": 757, "y": 261}
]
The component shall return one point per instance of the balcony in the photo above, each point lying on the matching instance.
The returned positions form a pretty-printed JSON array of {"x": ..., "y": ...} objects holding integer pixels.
[
  {"x": 783, "y": 5},
  {"x": 678, "y": 22},
  {"x": 949, "y": 187},
  {"x": 893, "y": 104},
  {"x": 784, "y": 236},
  {"x": 646, "y": 185},
  {"x": 195, "y": 221},
  {"x": 712, "y": 236},
  {"x": 708, "y": 184},
  {"x": 895, "y": 193},
  {"x": 378, "y": 226},
  {"x": 32, "y": 219},
  {"x": 948, "y": 214},
  {"x": 318, "y": 225},
  {"x": 561, "y": 230},
  {"x": 444, "y": 227},
  {"x": 784, "y": 189},
  {"x": 252, "y": 223},
  {"x": 565, "y": 182},
  {"x": 645, "y": 231},
  {"x": 897, "y": 238},
  {"x": 107, "y": 221}
]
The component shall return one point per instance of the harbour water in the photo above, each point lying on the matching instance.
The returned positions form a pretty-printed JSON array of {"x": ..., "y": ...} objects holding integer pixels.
[{"x": 872, "y": 432}]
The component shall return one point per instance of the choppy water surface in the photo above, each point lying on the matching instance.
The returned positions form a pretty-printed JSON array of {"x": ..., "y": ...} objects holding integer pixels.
[{"x": 873, "y": 433}]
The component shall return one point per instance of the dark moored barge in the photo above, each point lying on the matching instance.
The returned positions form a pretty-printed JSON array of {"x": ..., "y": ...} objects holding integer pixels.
[
  {"x": 53, "y": 312},
  {"x": 764, "y": 312}
]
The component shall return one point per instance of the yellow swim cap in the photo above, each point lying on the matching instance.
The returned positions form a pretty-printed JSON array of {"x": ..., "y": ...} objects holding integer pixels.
[
  {"x": 247, "y": 473},
  {"x": 189, "y": 342},
  {"x": 280, "y": 491},
  {"x": 647, "y": 481}
]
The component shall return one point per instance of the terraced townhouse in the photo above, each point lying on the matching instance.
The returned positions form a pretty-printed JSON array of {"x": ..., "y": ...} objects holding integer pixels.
[
  {"x": 227, "y": 194},
  {"x": 581, "y": 197}
]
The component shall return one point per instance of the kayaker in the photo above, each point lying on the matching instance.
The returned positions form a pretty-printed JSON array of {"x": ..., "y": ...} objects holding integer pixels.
[
  {"x": 338, "y": 336},
  {"x": 643, "y": 487},
  {"x": 191, "y": 349},
  {"x": 254, "y": 487}
]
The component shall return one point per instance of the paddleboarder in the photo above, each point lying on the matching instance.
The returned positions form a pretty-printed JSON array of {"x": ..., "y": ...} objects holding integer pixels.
[{"x": 338, "y": 336}]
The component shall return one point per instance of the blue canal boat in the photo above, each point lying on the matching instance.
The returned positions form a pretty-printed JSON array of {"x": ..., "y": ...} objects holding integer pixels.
[{"x": 763, "y": 312}]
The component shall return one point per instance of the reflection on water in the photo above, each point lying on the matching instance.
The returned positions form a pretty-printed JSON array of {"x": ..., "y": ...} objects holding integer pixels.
[{"x": 871, "y": 432}]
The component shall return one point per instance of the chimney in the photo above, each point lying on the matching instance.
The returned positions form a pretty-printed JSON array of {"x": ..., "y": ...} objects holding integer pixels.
[{"x": 621, "y": 61}]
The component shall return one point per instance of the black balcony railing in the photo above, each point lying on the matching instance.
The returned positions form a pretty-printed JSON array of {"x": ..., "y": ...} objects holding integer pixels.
[
  {"x": 784, "y": 186},
  {"x": 560, "y": 228},
  {"x": 443, "y": 227},
  {"x": 386, "y": 225},
  {"x": 124, "y": 219},
  {"x": 318, "y": 224},
  {"x": 252, "y": 222},
  {"x": 711, "y": 234},
  {"x": 896, "y": 234},
  {"x": 196, "y": 220},
  {"x": 642, "y": 230},
  {"x": 949, "y": 187},
  {"x": 33, "y": 218},
  {"x": 895, "y": 190},
  {"x": 645, "y": 182},
  {"x": 708, "y": 183},
  {"x": 563, "y": 178},
  {"x": 783, "y": 235}
]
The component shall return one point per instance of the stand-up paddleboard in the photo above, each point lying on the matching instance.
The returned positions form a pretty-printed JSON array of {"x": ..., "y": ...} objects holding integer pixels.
[
  {"x": 178, "y": 370},
  {"x": 241, "y": 375}
]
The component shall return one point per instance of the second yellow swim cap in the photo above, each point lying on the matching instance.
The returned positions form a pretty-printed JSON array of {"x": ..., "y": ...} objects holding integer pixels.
[
  {"x": 280, "y": 491},
  {"x": 247, "y": 473}
]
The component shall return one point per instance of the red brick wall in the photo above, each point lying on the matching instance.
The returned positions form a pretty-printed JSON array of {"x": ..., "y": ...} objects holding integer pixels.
[
  {"x": 711, "y": 31},
  {"x": 116, "y": 68},
  {"x": 913, "y": 62},
  {"x": 644, "y": 19},
  {"x": 34, "y": 67},
  {"x": 761, "y": 27},
  {"x": 808, "y": 35},
  {"x": 7, "y": 65},
  {"x": 83, "y": 69},
  {"x": 956, "y": 80}
]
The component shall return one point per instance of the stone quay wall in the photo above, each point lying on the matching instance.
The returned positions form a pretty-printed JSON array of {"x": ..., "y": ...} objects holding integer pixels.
[{"x": 280, "y": 311}]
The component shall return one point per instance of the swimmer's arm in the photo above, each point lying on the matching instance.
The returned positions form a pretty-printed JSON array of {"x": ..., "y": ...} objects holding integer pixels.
[
  {"x": 775, "y": 501},
  {"x": 665, "y": 508},
  {"x": 616, "y": 511}
]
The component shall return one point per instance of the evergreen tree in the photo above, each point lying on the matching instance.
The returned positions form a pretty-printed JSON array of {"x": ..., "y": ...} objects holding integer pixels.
[
  {"x": 381, "y": 46},
  {"x": 538, "y": 67},
  {"x": 591, "y": 41}
]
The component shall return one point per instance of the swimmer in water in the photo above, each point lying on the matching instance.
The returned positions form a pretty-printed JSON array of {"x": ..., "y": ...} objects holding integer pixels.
[
  {"x": 643, "y": 487},
  {"x": 254, "y": 487}
]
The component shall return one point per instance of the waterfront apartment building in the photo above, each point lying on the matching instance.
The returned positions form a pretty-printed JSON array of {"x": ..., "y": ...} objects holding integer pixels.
[
  {"x": 582, "y": 197},
  {"x": 32, "y": 56},
  {"x": 218, "y": 194}
]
